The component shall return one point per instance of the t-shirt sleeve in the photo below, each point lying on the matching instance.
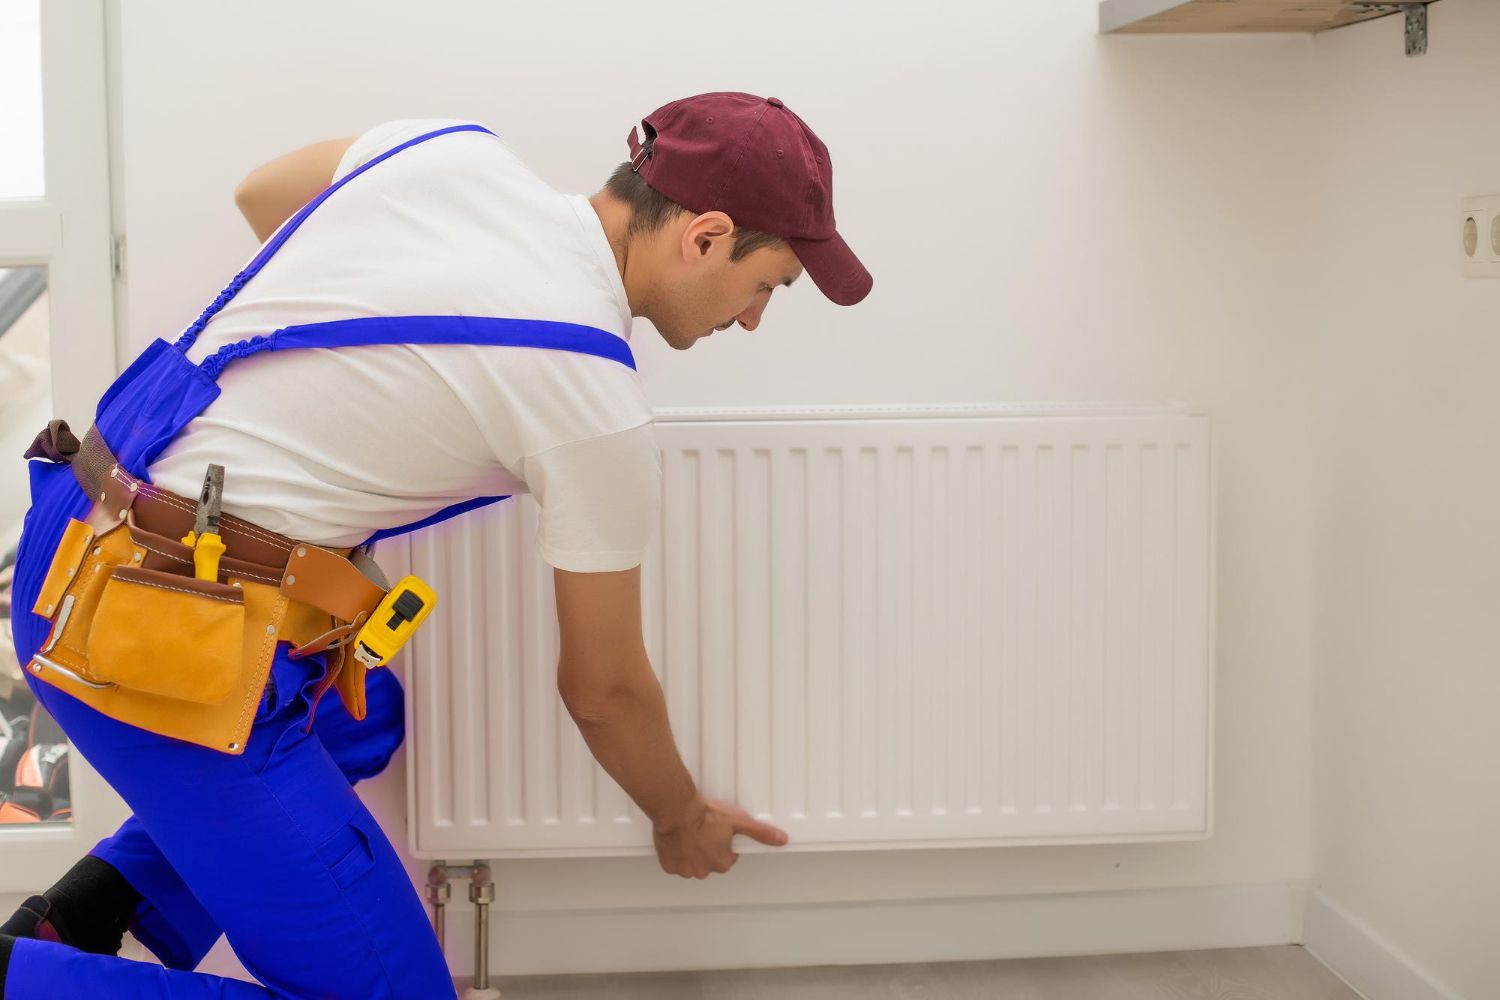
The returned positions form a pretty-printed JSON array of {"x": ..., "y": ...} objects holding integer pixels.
[
  {"x": 600, "y": 500},
  {"x": 389, "y": 135}
]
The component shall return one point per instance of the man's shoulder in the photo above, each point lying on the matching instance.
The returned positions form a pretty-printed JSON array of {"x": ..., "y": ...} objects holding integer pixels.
[
  {"x": 387, "y": 135},
  {"x": 629, "y": 457},
  {"x": 580, "y": 395}
]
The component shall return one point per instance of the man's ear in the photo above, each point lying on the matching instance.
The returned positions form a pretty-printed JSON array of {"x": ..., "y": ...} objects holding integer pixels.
[{"x": 700, "y": 235}]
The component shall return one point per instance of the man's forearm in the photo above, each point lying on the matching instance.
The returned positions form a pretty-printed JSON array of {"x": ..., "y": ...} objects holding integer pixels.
[{"x": 631, "y": 738}]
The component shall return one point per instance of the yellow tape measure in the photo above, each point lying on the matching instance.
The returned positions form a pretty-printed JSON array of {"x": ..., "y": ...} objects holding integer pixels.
[{"x": 394, "y": 621}]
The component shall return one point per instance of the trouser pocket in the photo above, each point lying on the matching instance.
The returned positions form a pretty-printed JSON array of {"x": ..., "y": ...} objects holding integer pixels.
[{"x": 348, "y": 853}]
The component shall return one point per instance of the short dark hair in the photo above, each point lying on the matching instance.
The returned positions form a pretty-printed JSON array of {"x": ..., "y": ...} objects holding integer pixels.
[{"x": 650, "y": 210}]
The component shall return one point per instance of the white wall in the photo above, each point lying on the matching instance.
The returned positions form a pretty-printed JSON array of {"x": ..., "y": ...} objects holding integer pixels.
[
  {"x": 1407, "y": 539},
  {"x": 1048, "y": 215}
]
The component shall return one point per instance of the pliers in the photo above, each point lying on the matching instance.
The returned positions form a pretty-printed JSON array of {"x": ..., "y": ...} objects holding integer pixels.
[{"x": 204, "y": 538}]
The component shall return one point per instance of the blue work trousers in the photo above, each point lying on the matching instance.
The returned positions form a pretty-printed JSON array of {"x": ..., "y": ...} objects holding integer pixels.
[{"x": 272, "y": 844}]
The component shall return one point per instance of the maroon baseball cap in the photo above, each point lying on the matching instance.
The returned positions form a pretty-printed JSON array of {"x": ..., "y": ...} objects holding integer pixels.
[{"x": 753, "y": 159}]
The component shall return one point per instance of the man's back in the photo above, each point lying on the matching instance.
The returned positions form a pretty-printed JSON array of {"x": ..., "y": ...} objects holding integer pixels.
[{"x": 330, "y": 446}]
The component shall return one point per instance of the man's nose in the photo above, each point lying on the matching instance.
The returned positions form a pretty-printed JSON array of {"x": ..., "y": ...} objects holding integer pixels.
[{"x": 750, "y": 318}]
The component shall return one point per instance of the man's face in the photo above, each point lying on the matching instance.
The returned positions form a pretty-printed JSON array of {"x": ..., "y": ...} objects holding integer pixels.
[{"x": 703, "y": 291}]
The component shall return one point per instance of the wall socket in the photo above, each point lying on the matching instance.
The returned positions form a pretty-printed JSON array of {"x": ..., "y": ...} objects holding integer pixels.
[{"x": 1479, "y": 236}]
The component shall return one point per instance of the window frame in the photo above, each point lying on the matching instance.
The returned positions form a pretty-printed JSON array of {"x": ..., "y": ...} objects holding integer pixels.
[{"x": 68, "y": 231}]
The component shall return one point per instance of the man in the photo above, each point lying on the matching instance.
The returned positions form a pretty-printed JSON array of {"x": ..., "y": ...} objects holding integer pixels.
[{"x": 432, "y": 247}]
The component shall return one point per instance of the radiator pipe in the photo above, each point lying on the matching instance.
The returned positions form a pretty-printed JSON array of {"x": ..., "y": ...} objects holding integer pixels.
[
  {"x": 439, "y": 891},
  {"x": 481, "y": 894}
]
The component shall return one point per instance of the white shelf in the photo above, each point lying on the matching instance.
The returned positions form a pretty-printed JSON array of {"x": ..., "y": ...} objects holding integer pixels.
[{"x": 1204, "y": 16}]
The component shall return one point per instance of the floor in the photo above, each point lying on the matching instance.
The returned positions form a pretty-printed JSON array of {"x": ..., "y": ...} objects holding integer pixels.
[{"x": 1280, "y": 973}]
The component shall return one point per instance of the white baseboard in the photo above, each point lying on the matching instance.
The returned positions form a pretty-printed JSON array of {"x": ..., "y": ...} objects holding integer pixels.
[
  {"x": 1371, "y": 965},
  {"x": 1088, "y": 923}
]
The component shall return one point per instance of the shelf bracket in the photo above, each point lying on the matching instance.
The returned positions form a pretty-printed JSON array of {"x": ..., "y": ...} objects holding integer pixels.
[{"x": 1416, "y": 21}]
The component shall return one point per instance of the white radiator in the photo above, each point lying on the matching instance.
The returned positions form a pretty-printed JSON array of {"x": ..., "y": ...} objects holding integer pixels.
[{"x": 875, "y": 628}]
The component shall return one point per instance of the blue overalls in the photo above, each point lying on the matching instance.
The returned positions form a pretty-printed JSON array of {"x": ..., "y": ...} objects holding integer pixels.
[{"x": 270, "y": 847}]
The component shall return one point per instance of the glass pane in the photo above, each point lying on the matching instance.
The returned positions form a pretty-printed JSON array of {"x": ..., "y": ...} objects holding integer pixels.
[
  {"x": 20, "y": 99},
  {"x": 33, "y": 753}
]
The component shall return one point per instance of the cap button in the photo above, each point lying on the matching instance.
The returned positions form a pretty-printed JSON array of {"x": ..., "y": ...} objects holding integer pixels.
[{"x": 775, "y": 102}]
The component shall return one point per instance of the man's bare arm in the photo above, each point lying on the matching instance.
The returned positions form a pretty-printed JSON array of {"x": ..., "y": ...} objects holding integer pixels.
[
  {"x": 271, "y": 192},
  {"x": 605, "y": 679}
]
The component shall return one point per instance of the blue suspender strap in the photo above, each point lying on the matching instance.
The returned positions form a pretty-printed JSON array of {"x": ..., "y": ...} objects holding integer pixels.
[
  {"x": 482, "y": 330},
  {"x": 486, "y": 330},
  {"x": 489, "y": 331},
  {"x": 451, "y": 511},
  {"x": 289, "y": 227}
]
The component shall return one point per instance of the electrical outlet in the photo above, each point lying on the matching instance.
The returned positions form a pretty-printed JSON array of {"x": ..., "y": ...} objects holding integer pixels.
[{"x": 1479, "y": 236}]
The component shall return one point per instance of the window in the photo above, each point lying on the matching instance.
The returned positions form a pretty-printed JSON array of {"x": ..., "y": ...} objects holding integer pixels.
[
  {"x": 20, "y": 99},
  {"x": 57, "y": 354},
  {"x": 33, "y": 756}
]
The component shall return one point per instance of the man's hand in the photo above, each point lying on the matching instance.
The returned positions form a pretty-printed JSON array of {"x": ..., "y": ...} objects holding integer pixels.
[
  {"x": 607, "y": 683},
  {"x": 273, "y": 191},
  {"x": 699, "y": 844}
]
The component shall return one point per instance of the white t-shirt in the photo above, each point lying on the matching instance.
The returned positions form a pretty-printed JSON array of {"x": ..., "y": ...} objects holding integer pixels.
[{"x": 329, "y": 446}]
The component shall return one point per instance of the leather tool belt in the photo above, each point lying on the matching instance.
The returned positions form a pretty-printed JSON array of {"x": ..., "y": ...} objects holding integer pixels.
[{"x": 136, "y": 636}]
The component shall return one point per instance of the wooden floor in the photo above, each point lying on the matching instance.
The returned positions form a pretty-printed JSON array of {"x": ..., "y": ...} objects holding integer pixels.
[{"x": 1280, "y": 973}]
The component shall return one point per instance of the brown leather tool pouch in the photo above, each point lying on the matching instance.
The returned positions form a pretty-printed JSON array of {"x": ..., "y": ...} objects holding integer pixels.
[{"x": 152, "y": 646}]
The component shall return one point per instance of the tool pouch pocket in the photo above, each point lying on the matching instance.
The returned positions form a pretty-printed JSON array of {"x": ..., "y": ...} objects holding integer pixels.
[
  {"x": 64, "y": 569},
  {"x": 69, "y": 594},
  {"x": 167, "y": 634},
  {"x": 138, "y": 638}
]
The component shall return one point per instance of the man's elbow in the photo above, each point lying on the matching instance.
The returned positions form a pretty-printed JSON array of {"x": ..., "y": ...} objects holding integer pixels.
[
  {"x": 250, "y": 199},
  {"x": 593, "y": 699},
  {"x": 594, "y": 714},
  {"x": 587, "y": 706}
]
